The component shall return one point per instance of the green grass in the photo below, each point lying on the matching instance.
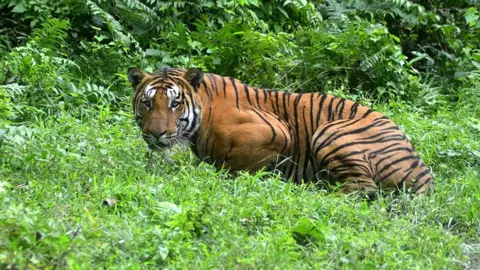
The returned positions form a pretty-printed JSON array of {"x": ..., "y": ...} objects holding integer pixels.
[{"x": 171, "y": 211}]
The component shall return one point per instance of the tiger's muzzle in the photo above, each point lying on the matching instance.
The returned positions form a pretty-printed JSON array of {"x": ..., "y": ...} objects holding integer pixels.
[{"x": 159, "y": 141}]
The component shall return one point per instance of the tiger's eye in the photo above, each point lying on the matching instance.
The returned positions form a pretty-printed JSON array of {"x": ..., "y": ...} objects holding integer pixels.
[
  {"x": 175, "y": 104},
  {"x": 147, "y": 103}
]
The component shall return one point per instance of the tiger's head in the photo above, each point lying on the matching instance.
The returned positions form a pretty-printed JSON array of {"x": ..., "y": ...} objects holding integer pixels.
[{"x": 166, "y": 105}]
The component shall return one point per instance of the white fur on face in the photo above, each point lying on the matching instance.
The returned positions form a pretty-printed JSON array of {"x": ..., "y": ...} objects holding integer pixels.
[
  {"x": 149, "y": 92},
  {"x": 189, "y": 121},
  {"x": 173, "y": 94}
]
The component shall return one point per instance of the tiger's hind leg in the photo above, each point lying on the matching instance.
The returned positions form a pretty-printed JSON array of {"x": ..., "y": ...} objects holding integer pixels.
[
  {"x": 345, "y": 163},
  {"x": 367, "y": 153}
]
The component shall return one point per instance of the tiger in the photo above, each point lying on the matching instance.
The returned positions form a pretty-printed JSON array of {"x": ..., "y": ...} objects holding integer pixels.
[{"x": 305, "y": 137}]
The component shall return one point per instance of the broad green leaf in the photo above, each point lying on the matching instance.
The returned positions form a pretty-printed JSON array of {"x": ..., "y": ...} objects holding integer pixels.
[
  {"x": 153, "y": 52},
  {"x": 19, "y": 8},
  {"x": 471, "y": 16}
]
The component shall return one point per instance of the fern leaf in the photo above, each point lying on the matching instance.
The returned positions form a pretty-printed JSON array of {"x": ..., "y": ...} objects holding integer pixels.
[
  {"x": 113, "y": 25},
  {"x": 52, "y": 34},
  {"x": 372, "y": 60},
  {"x": 14, "y": 90}
]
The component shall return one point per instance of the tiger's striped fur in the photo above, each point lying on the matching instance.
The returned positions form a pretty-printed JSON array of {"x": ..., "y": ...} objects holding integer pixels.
[{"x": 307, "y": 137}]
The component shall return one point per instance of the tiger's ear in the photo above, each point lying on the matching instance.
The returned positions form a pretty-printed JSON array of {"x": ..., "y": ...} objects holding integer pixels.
[
  {"x": 135, "y": 76},
  {"x": 194, "y": 76}
]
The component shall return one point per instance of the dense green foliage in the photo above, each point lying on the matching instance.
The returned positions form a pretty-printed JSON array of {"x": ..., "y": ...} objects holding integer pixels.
[{"x": 77, "y": 191}]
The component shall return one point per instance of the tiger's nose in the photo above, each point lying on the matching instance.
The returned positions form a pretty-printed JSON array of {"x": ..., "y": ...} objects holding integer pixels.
[{"x": 158, "y": 135}]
